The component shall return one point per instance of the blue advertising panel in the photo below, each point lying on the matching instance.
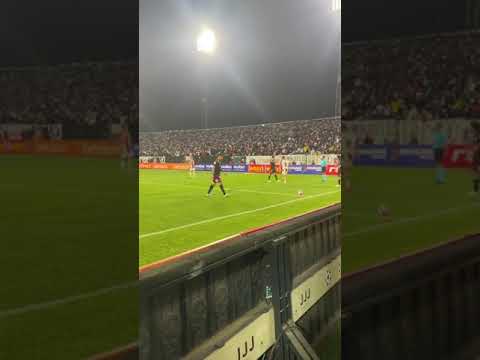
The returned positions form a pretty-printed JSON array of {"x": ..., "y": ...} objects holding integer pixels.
[
  {"x": 395, "y": 155},
  {"x": 226, "y": 168}
]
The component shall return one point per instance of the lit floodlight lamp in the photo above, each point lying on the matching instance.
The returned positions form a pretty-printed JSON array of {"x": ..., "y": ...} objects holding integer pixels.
[{"x": 206, "y": 42}]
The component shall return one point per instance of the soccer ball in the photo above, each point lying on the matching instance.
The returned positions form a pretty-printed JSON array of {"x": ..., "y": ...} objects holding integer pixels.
[
  {"x": 383, "y": 210},
  {"x": 300, "y": 192}
]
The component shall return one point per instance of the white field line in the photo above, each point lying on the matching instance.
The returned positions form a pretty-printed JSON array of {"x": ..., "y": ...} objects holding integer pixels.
[
  {"x": 233, "y": 190},
  {"x": 260, "y": 192},
  {"x": 408, "y": 220},
  {"x": 229, "y": 190},
  {"x": 65, "y": 300},
  {"x": 234, "y": 215}
]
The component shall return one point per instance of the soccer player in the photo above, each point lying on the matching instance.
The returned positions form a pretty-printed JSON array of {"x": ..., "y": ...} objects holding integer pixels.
[
  {"x": 217, "y": 170},
  {"x": 125, "y": 145},
  {"x": 339, "y": 170},
  {"x": 284, "y": 164},
  {"x": 476, "y": 170},
  {"x": 348, "y": 149},
  {"x": 4, "y": 139},
  {"x": 191, "y": 161},
  {"x": 273, "y": 170},
  {"x": 439, "y": 143},
  {"x": 323, "y": 168}
]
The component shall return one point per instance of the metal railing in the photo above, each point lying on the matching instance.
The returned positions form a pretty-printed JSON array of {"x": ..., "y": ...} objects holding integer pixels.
[
  {"x": 274, "y": 292},
  {"x": 424, "y": 306}
]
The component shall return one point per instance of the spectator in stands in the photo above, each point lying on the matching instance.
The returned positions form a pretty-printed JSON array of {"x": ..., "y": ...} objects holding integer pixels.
[
  {"x": 311, "y": 136},
  {"x": 434, "y": 77},
  {"x": 86, "y": 99}
]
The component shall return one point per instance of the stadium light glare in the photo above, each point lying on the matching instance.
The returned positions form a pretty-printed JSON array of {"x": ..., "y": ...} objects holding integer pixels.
[{"x": 206, "y": 42}]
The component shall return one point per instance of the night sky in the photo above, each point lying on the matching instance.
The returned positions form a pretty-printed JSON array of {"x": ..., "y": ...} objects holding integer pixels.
[
  {"x": 380, "y": 19},
  {"x": 277, "y": 60},
  {"x": 59, "y": 31}
]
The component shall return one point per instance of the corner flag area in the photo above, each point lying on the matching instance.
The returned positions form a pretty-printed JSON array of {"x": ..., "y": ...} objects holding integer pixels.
[{"x": 177, "y": 216}]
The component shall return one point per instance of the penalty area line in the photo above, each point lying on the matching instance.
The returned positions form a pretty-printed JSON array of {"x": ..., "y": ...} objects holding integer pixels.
[{"x": 234, "y": 215}]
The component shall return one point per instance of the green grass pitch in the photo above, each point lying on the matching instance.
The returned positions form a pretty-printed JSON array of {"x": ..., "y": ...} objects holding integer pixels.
[
  {"x": 423, "y": 214},
  {"x": 64, "y": 222},
  {"x": 177, "y": 216}
]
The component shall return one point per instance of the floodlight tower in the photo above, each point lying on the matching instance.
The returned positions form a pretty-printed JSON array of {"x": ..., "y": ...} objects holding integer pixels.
[
  {"x": 337, "y": 10},
  {"x": 206, "y": 46}
]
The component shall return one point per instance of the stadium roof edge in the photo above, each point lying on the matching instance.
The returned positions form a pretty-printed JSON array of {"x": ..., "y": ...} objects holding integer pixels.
[
  {"x": 74, "y": 63},
  {"x": 414, "y": 37}
]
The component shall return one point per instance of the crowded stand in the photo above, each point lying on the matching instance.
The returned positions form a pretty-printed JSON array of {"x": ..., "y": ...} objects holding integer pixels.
[
  {"x": 298, "y": 137},
  {"x": 433, "y": 77},
  {"x": 84, "y": 99}
]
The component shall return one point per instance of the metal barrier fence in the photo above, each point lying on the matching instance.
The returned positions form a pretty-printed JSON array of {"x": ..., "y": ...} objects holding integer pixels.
[
  {"x": 425, "y": 306},
  {"x": 273, "y": 293}
]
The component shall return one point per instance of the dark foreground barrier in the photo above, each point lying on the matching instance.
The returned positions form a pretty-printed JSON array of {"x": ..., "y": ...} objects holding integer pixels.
[
  {"x": 273, "y": 293},
  {"x": 425, "y": 306}
]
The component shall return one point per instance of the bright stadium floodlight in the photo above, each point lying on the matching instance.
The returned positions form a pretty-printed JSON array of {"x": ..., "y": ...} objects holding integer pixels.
[
  {"x": 206, "y": 42},
  {"x": 336, "y": 5}
]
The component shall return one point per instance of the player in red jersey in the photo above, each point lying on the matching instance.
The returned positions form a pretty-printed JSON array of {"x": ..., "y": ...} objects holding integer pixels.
[{"x": 476, "y": 169}]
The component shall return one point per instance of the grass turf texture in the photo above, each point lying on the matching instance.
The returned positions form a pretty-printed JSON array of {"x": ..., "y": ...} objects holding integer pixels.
[
  {"x": 176, "y": 215},
  {"x": 68, "y": 228},
  {"x": 423, "y": 214}
]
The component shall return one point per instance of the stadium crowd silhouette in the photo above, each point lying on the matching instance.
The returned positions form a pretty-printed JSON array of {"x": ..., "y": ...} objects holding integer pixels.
[
  {"x": 437, "y": 77},
  {"x": 296, "y": 137},
  {"x": 86, "y": 99}
]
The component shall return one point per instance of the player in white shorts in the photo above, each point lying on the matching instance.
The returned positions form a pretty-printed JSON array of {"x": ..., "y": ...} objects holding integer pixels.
[
  {"x": 191, "y": 161},
  {"x": 284, "y": 164}
]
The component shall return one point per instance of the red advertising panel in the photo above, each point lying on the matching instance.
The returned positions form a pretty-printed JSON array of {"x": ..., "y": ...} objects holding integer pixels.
[
  {"x": 458, "y": 156},
  {"x": 63, "y": 147},
  {"x": 164, "y": 166},
  {"x": 332, "y": 170},
  {"x": 262, "y": 169}
]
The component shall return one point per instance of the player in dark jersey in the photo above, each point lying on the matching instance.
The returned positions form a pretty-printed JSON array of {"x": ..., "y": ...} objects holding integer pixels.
[
  {"x": 216, "y": 176},
  {"x": 476, "y": 169},
  {"x": 476, "y": 159},
  {"x": 273, "y": 170},
  {"x": 125, "y": 147}
]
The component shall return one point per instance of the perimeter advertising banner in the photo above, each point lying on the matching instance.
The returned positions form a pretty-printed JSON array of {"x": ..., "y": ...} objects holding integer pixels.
[
  {"x": 63, "y": 147},
  {"x": 262, "y": 169},
  {"x": 458, "y": 156},
  {"x": 257, "y": 169},
  {"x": 395, "y": 155},
  {"x": 164, "y": 166},
  {"x": 455, "y": 156}
]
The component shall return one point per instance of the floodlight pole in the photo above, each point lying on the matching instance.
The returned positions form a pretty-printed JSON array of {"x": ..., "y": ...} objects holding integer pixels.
[
  {"x": 338, "y": 93},
  {"x": 206, "y": 48},
  {"x": 204, "y": 92}
]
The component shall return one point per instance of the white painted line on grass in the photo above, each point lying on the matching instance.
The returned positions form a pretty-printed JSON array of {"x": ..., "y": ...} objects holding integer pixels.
[
  {"x": 65, "y": 300},
  {"x": 260, "y": 192},
  {"x": 408, "y": 220},
  {"x": 234, "y": 215}
]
